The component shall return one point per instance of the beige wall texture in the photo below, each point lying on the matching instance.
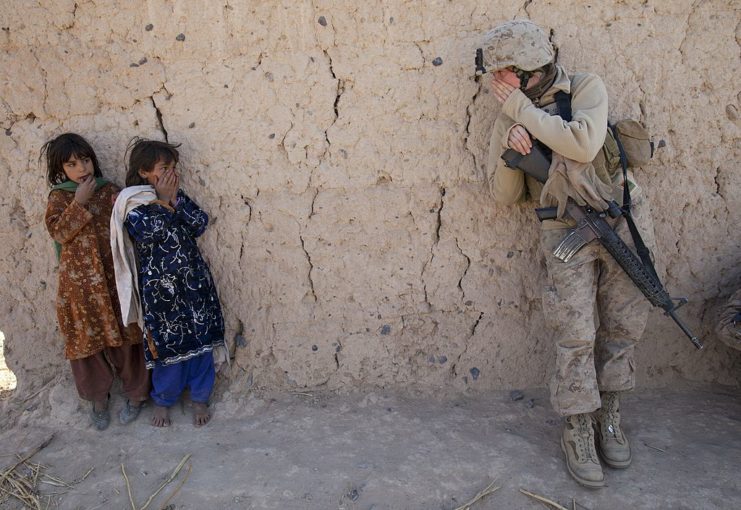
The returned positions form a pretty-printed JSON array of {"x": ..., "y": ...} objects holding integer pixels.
[{"x": 339, "y": 148}]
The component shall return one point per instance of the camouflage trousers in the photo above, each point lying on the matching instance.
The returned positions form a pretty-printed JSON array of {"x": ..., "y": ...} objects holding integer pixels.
[
  {"x": 597, "y": 315},
  {"x": 729, "y": 327}
]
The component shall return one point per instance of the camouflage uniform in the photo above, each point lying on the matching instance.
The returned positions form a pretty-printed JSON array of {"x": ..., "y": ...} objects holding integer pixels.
[
  {"x": 594, "y": 344},
  {"x": 729, "y": 325},
  {"x": 594, "y": 308}
]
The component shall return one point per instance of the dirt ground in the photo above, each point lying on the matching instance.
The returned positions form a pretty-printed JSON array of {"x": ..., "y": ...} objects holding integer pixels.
[{"x": 310, "y": 450}]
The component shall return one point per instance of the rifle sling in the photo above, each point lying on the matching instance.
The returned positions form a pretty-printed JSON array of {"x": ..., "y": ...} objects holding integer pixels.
[
  {"x": 563, "y": 103},
  {"x": 643, "y": 251}
]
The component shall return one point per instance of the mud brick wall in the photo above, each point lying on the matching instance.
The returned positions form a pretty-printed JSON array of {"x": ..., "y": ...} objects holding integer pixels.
[{"x": 339, "y": 148}]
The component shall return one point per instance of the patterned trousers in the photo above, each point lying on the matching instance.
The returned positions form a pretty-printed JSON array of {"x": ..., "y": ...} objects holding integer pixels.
[{"x": 597, "y": 315}]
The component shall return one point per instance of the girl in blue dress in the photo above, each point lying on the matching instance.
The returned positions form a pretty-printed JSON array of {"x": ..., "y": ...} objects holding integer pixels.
[{"x": 181, "y": 311}]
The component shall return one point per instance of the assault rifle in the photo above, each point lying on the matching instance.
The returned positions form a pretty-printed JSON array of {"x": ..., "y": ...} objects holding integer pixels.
[{"x": 591, "y": 225}]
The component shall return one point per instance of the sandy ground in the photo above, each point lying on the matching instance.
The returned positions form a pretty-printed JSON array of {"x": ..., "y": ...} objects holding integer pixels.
[{"x": 383, "y": 451}]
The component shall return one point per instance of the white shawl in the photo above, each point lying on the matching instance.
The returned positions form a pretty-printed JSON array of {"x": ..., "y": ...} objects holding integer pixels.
[{"x": 124, "y": 254}]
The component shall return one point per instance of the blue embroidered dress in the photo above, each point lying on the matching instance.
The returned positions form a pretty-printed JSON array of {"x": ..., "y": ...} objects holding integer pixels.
[{"x": 182, "y": 314}]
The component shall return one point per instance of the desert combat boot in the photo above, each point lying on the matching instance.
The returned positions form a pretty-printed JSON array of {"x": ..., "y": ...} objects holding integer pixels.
[
  {"x": 612, "y": 444},
  {"x": 577, "y": 443}
]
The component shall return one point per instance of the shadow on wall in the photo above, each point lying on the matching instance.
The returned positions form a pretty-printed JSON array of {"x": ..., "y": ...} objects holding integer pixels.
[{"x": 8, "y": 381}]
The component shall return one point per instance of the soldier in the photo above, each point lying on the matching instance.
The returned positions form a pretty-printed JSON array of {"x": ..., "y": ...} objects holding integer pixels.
[
  {"x": 728, "y": 328},
  {"x": 596, "y": 312}
]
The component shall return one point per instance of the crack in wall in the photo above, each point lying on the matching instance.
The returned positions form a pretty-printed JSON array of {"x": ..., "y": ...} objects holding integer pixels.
[
  {"x": 524, "y": 7},
  {"x": 435, "y": 241},
  {"x": 259, "y": 61},
  {"x": 474, "y": 326},
  {"x": 694, "y": 7},
  {"x": 337, "y": 355},
  {"x": 439, "y": 215},
  {"x": 421, "y": 53},
  {"x": 282, "y": 143},
  {"x": 249, "y": 219},
  {"x": 71, "y": 25},
  {"x": 311, "y": 267},
  {"x": 160, "y": 121},
  {"x": 717, "y": 183},
  {"x": 313, "y": 200},
  {"x": 338, "y": 93},
  {"x": 465, "y": 271},
  {"x": 468, "y": 124}
]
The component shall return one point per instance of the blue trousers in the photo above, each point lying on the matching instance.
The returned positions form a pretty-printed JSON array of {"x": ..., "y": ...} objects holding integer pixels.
[{"x": 168, "y": 382}]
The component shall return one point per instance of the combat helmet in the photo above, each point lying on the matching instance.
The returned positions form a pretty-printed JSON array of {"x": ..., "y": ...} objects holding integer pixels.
[{"x": 519, "y": 43}]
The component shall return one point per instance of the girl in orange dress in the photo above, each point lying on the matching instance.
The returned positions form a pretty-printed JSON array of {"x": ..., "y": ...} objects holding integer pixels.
[{"x": 96, "y": 342}]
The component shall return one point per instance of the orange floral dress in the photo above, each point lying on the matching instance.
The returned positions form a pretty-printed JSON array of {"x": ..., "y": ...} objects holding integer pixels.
[{"x": 88, "y": 310}]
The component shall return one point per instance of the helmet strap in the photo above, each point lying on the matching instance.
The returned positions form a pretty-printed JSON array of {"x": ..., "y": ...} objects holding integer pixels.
[{"x": 524, "y": 77}]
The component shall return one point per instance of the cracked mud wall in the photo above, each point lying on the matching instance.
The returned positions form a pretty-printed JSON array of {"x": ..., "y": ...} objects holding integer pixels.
[{"x": 339, "y": 149}]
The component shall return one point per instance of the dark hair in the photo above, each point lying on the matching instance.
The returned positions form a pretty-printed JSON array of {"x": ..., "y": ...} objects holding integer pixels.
[
  {"x": 144, "y": 154},
  {"x": 60, "y": 150}
]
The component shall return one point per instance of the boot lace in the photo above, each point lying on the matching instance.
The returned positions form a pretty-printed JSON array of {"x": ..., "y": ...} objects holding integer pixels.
[
  {"x": 584, "y": 438},
  {"x": 610, "y": 415}
]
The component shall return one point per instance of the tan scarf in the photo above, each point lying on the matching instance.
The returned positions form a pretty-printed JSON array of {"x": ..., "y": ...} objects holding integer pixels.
[{"x": 547, "y": 77}]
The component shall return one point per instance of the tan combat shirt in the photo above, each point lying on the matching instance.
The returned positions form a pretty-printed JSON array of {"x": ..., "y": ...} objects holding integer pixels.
[{"x": 580, "y": 139}]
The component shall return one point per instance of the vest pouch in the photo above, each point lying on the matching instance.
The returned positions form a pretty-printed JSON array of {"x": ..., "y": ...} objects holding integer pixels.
[
  {"x": 607, "y": 162},
  {"x": 636, "y": 142}
]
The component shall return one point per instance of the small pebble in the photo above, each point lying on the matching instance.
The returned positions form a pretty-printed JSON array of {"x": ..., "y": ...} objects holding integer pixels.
[
  {"x": 386, "y": 329},
  {"x": 192, "y": 125},
  {"x": 475, "y": 373},
  {"x": 149, "y": 27},
  {"x": 354, "y": 495},
  {"x": 437, "y": 62},
  {"x": 314, "y": 348},
  {"x": 515, "y": 395},
  {"x": 322, "y": 21},
  {"x": 442, "y": 359},
  {"x": 180, "y": 37},
  {"x": 530, "y": 403}
]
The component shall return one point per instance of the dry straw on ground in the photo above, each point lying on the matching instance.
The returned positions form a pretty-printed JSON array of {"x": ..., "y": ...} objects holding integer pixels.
[
  {"x": 22, "y": 479},
  {"x": 489, "y": 489},
  {"x": 169, "y": 480},
  {"x": 545, "y": 500}
]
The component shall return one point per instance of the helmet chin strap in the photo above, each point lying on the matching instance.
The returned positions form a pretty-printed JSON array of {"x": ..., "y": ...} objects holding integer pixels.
[{"x": 524, "y": 77}]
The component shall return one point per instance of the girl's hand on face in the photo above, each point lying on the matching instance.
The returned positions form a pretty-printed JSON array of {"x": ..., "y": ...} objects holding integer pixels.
[
  {"x": 85, "y": 190},
  {"x": 176, "y": 177},
  {"x": 519, "y": 140},
  {"x": 167, "y": 186},
  {"x": 501, "y": 89}
]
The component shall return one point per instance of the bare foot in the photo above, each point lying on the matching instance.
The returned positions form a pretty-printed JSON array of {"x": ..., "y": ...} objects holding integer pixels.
[
  {"x": 201, "y": 414},
  {"x": 161, "y": 416}
]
